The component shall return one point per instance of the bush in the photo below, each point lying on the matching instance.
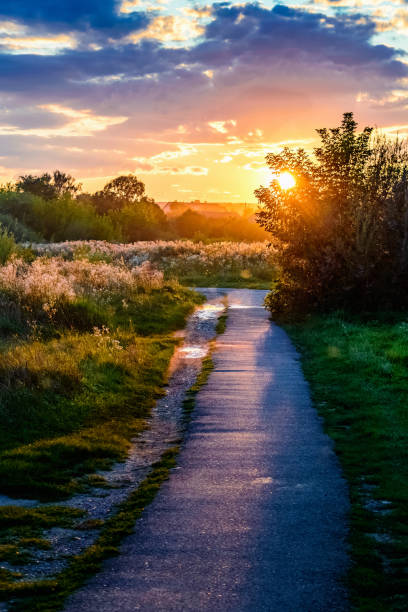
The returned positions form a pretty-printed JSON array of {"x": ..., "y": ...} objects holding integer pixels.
[
  {"x": 58, "y": 219},
  {"x": 142, "y": 220},
  {"x": 21, "y": 232},
  {"x": 342, "y": 231},
  {"x": 7, "y": 245}
]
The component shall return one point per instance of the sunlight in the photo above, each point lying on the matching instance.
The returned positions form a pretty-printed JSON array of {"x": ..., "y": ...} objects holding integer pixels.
[{"x": 286, "y": 180}]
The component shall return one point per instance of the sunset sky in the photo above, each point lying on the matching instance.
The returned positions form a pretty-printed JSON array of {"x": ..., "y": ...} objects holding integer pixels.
[{"x": 190, "y": 96}]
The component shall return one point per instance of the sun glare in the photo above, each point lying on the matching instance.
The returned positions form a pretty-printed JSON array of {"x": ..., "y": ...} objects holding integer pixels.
[{"x": 286, "y": 180}]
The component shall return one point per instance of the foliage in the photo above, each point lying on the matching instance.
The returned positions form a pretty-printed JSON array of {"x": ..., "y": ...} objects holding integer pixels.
[
  {"x": 47, "y": 186},
  {"x": 7, "y": 245},
  {"x": 56, "y": 219},
  {"x": 191, "y": 224},
  {"x": 21, "y": 232},
  {"x": 51, "y": 291},
  {"x": 142, "y": 221},
  {"x": 342, "y": 232},
  {"x": 51, "y": 207},
  {"x": 119, "y": 193},
  {"x": 89, "y": 360},
  {"x": 358, "y": 374}
]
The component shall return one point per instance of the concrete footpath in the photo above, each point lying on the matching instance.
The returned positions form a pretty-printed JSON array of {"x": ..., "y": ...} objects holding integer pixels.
[{"x": 254, "y": 516}]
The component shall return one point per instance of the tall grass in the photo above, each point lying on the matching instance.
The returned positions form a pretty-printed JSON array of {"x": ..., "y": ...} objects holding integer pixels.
[
  {"x": 85, "y": 350},
  {"x": 193, "y": 263}
]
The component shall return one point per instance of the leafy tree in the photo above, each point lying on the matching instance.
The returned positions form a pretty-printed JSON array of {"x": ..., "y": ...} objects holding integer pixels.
[
  {"x": 127, "y": 188},
  {"x": 342, "y": 231},
  {"x": 118, "y": 193},
  {"x": 190, "y": 223},
  {"x": 48, "y": 186},
  {"x": 146, "y": 221},
  {"x": 64, "y": 184}
]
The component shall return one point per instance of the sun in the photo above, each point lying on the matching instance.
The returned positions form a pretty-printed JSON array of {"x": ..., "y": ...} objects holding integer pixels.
[{"x": 286, "y": 180}]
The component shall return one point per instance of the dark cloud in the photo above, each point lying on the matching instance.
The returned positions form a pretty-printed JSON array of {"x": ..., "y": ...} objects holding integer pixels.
[
  {"x": 63, "y": 15},
  {"x": 242, "y": 37},
  {"x": 252, "y": 34}
]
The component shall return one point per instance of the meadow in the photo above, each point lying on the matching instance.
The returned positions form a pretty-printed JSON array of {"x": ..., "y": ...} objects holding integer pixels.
[
  {"x": 84, "y": 351},
  {"x": 199, "y": 264}
]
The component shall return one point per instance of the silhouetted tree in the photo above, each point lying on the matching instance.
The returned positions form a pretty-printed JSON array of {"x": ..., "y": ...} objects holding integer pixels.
[
  {"x": 342, "y": 231},
  {"x": 120, "y": 192},
  {"x": 47, "y": 186}
]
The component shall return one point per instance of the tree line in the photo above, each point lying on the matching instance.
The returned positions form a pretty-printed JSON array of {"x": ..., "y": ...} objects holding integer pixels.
[{"x": 53, "y": 207}]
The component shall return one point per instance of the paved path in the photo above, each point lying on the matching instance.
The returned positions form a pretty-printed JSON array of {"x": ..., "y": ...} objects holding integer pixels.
[{"x": 254, "y": 517}]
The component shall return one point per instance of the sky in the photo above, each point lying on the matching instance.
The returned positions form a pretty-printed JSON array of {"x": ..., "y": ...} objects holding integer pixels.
[{"x": 190, "y": 96}]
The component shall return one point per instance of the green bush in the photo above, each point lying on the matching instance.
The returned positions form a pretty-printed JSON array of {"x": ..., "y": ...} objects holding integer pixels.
[
  {"x": 342, "y": 231},
  {"x": 64, "y": 218},
  {"x": 7, "y": 245}
]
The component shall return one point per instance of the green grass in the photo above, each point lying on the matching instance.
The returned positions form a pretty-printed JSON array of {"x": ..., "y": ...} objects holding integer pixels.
[
  {"x": 227, "y": 281},
  {"x": 50, "y": 595},
  {"x": 69, "y": 405},
  {"x": 358, "y": 371}
]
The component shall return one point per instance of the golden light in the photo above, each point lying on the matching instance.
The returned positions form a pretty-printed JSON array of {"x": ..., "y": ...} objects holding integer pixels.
[{"x": 286, "y": 180}]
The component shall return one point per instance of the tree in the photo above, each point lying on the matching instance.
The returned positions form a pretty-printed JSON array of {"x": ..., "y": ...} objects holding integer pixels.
[
  {"x": 146, "y": 221},
  {"x": 47, "y": 186},
  {"x": 340, "y": 230},
  {"x": 127, "y": 188},
  {"x": 64, "y": 184},
  {"x": 120, "y": 192}
]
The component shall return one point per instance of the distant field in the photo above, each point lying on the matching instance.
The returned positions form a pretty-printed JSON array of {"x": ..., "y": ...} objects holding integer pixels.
[{"x": 217, "y": 264}]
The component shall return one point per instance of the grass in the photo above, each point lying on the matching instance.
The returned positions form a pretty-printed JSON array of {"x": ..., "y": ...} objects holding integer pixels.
[
  {"x": 358, "y": 372},
  {"x": 50, "y": 595},
  {"x": 227, "y": 281},
  {"x": 70, "y": 405},
  {"x": 71, "y": 400}
]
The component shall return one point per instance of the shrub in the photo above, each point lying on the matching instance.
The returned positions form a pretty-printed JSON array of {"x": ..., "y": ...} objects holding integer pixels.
[
  {"x": 7, "y": 245},
  {"x": 56, "y": 219},
  {"x": 342, "y": 232}
]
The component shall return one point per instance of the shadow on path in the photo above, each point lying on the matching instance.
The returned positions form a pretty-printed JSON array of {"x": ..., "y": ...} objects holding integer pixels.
[{"x": 254, "y": 516}]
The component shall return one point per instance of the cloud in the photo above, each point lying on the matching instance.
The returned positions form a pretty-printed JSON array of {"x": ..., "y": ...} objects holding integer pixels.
[
  {"x": 80, "y": 124},
  {"x": 82, "y": 15},
  {"x": 169, "y": 29},
  {"x": 37, "y": 45},
  {"x": 150, "y": 86},
  {"x": 222, "y": 126}
]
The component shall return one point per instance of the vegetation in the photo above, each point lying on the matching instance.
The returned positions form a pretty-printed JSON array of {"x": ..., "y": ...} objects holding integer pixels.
[
  {"x": 49, "y": 594},
  {"x": 52, "y": 207},
  {"x": 78, "y": 379},
  {"x": 357, "y": 369},
  {"x": 342, "y": 232},
  {"x": 217, "y": 264}
]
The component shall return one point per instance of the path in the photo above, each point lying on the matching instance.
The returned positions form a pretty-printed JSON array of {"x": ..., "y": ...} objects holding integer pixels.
[{"x": 254, "y": 516}]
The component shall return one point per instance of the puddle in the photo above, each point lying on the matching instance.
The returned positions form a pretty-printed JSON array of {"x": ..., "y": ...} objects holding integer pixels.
[
  {"x": 243, "y": 306},
  {"x": 209, "y": 311},
  {"x": 193, "y": 352}
]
